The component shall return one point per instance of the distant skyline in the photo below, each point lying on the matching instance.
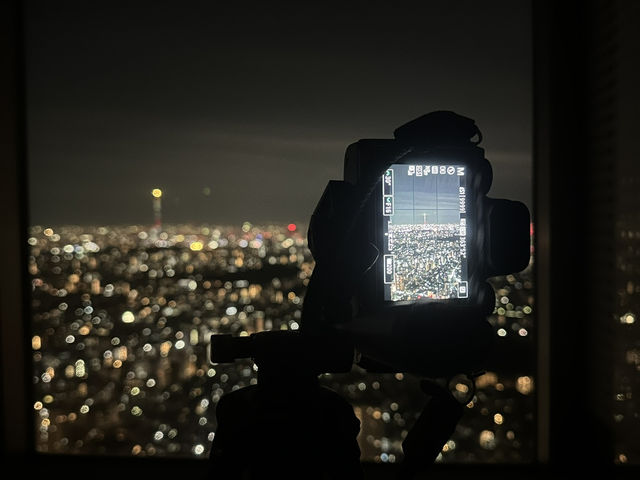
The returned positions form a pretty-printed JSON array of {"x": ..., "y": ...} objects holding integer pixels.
[{"x": 243, "y": 112}]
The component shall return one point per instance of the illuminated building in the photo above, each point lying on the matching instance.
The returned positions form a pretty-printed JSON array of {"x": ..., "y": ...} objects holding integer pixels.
[{"x": 156, "y": 193}]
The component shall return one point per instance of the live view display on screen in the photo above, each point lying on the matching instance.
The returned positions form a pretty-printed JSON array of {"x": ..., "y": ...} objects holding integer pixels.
[{"x": 424, "y": 226}]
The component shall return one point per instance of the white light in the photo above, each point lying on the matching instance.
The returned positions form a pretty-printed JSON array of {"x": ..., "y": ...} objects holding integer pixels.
[
  {"x": 628, "y": 318},
  {"x": 80, "y": 368},
  {"x": 128, "y": 317},
  {"x": 91, "y": 247},
  {"x": 487, "y": 440}
]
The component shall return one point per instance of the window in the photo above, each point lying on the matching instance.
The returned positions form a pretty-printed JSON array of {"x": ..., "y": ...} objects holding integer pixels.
[{"x": 239, "y": 120}]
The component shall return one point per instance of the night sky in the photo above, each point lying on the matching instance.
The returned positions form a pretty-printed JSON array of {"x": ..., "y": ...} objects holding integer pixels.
[{"x": 242, "y": 111}]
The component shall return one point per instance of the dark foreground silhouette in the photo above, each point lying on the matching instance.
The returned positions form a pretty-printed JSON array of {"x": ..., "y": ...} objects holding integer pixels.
[
  {"x": 288, "y": 427},
  {"x": 296, "y": 429}
]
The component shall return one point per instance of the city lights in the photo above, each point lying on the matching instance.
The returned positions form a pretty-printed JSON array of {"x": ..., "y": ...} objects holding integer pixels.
[
  {"x": 120, "y": 328},
  {"x": 196, "y": 246},
  {"x": 628, "y": 318},
  {"x": 524, "y": 385}
]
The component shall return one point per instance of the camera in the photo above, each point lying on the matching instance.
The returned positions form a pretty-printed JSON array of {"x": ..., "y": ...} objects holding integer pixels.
[
  {"x": 404, "y": 246},
  {"x": 426, "y": 211}
]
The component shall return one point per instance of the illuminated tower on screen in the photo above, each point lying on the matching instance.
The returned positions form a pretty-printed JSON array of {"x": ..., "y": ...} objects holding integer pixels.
[{"x": 157, "y": 208}]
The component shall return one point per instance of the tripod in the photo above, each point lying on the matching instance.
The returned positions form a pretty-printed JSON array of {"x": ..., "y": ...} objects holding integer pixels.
[{"x": 289, "y": 426}]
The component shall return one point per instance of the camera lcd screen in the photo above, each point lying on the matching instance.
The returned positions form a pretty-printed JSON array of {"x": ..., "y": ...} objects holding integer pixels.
[{"x": 424, "y": 221}]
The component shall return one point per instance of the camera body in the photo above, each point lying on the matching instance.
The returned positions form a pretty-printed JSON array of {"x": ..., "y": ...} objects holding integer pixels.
[
  {"x": 425, "y": 209},
  {"x": 404, "y": 246}
]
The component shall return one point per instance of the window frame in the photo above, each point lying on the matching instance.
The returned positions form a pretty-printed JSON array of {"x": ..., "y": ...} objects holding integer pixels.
[{"x": 554, "y": 81}]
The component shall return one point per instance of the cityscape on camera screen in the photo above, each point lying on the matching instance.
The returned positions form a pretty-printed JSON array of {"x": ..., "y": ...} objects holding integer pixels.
[{"x": 424, "y": 211}]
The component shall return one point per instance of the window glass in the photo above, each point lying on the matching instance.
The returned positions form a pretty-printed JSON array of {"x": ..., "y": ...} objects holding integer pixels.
[{"x": 175, "y": 157}]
